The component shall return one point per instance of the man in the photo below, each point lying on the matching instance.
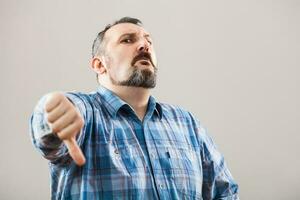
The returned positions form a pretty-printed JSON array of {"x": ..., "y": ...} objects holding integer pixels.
[{"x": 119, "y": 142}]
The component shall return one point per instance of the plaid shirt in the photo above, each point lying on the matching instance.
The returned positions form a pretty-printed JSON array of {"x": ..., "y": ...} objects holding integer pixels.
[{"x": 167, "y": 156}]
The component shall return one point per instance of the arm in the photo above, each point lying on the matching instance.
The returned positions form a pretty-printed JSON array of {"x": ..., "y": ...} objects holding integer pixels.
[
  {"x": 218, "y": 182},
  {"x": 55, "y": 124}
]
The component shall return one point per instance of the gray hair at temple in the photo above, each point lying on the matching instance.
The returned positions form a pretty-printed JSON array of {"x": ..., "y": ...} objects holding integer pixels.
[{"x": 99, "y": 42}]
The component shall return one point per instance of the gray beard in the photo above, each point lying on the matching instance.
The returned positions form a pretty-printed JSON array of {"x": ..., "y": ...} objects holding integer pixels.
[{"x": 139, "y": 78}]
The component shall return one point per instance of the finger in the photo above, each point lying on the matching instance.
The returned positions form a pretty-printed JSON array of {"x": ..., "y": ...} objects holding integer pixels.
[
  {"x": 75, "y": 151},
  {"x": 71, "y": 130},
  {"x": 63, "y": 121},
  {"x": 52, "y": 101},
  {"x": 56, "y": 113}
]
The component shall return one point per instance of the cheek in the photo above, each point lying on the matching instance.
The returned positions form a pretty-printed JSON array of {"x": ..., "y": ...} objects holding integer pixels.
[
  {"x": 120, "y": 72},
  {"x": 123, "y": 59},
  {"x": 153, "y": 54},
  {"x": 154, "y": 59},
  {"x": 120, "y": 64}
]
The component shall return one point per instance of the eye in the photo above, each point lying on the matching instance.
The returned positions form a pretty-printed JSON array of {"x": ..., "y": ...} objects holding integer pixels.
[{"x": 127, "y": 40}]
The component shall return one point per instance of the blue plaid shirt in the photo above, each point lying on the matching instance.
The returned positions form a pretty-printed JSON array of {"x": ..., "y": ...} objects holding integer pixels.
[{"x": 166, "y": 156}]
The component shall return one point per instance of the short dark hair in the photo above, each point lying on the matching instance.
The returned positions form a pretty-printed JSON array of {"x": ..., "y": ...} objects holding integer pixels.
[{"x": 97, "y": 44}]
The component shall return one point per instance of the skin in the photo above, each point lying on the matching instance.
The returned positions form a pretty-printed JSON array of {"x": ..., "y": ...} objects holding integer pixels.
[
  {"x": 66, "y": 122},
  {"x": 118, "y": 65},
  {"x": 123, "y": 42}
]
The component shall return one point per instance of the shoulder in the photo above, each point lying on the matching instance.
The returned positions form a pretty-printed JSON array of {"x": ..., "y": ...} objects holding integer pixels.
[
  {"x": 85, "y": 102},
  {"x": 77, "y": 96},
  {"x": 171, "y": 111},
  {"x": 81, "y": 97}
]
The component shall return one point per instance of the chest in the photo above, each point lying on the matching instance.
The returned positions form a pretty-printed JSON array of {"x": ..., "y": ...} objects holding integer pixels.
[{"x": 157, "y": 153}]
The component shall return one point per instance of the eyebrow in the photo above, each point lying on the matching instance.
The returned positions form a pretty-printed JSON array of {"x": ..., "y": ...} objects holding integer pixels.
[{"x": 133, "y": 34}]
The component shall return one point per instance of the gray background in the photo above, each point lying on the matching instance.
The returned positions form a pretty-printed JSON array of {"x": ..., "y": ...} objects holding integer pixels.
[{"x": 234, "y": 64}]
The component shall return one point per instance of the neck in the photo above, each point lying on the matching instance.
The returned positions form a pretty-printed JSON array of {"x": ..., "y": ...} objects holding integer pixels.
[{"x": 136, "y": 97}]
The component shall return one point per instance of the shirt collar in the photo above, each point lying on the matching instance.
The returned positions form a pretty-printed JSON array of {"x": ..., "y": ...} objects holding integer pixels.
[
  {"x": 154, "y": 107},
  {"x": 113, "y": 103}
]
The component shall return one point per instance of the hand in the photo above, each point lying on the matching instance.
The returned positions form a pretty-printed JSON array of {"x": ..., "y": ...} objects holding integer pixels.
[{"x": 66, "y": 122}]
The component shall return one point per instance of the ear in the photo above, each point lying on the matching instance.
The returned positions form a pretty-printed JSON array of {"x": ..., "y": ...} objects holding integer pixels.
[{"x": 98, "y": 65}]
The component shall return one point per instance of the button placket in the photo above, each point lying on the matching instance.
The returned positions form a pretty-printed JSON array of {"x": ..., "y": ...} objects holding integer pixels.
[
  {"x": 161, "y": 186},
  {"x": 117, "y": 154}
]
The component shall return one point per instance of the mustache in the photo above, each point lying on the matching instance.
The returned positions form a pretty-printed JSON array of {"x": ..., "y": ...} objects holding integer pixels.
[{"x": 142, "y": 56}]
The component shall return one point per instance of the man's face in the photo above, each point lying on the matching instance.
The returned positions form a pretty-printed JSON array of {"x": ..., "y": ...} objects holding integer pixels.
[{"x": 129, "y": 56}]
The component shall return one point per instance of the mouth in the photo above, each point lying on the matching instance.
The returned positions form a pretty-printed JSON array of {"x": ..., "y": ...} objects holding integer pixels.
[
  {"x": 143, "y": 59},
  {"x": 145, "y": 62}
]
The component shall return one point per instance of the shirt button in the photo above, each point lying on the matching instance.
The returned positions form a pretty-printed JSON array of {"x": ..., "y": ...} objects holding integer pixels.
[
  {"x": 161, "y": 186},
  {"x": 117, "y": 155}
]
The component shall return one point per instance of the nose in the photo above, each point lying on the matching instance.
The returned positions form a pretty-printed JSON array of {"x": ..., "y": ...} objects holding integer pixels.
[{"x": 143, "y": 46}]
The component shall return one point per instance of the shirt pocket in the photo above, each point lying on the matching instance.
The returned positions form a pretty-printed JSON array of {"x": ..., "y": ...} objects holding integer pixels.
[{"x": 132, "y": 159}]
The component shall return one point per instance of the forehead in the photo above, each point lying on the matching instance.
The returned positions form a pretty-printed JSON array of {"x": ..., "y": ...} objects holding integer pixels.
[{"x": 118, "y": 30}]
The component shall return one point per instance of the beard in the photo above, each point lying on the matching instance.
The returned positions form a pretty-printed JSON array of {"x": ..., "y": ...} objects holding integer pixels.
[
  {"x": 144, "y": 78},
  {"x": 138, "y": 77}
]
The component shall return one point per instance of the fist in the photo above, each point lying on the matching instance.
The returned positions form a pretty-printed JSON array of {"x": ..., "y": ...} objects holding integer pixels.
[{"x": 66, "y": 122}]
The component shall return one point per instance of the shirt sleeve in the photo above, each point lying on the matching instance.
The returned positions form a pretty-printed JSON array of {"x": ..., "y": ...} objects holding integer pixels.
[
  {"x": 47, "y": 143},
  {"x": 218, "y": 182}
]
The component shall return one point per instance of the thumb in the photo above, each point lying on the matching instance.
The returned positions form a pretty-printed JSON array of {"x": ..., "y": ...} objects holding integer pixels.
[{"x": 75, "y": 151}]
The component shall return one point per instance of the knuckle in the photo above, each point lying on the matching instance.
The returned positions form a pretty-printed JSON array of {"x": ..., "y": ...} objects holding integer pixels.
[
  {"x": 50, "y": 118},
  {"x": 48, "y": 105},
  {"x": 81, "y": 121},
  {"x": 71, "y": 116},
  {"x": 58, "y": 95},
  {"x": 52, "y": 98},
  {"x": 73, "y": 112},
  {"x": 67, "y": 105},
  {"x": 79, "y": 125}
]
